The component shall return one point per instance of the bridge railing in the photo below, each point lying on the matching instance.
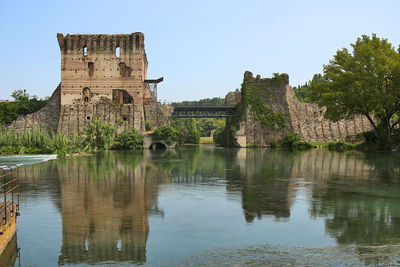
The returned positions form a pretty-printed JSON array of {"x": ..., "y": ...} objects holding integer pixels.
[{"x": 9, "y": 191}]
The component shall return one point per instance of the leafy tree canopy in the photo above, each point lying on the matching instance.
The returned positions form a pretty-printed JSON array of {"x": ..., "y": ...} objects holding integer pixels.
[{"x": 365, "y": 81}]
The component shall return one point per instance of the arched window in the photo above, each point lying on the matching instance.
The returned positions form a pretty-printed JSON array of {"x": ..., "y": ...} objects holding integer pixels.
[
  {"x": 117, "y": 52},
  {"x": 85, "y": 50}
]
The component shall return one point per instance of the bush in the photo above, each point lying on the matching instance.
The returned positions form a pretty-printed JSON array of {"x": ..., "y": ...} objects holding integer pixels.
[
  {"x": 62, "y": 153},
  {"x": 168, "y": 134},
  {"x": 129, "y": 139},
  {"x": 219, "y": 137},
  {"x": 98, "y": 136},
  {"x": 341, "y": 146},
  {"x": 291, "y": 138},
  {"x": 302, "y": 145},
  {"x": 273, "y": 144},
  {"x": 370, "y": 137},
  {"x": 147, "y": 125}
]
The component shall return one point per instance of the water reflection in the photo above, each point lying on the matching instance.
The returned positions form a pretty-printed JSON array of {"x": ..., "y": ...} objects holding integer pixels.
[
  {"x": 104, "y": 203},
  {"x": 105, "y": 200}
]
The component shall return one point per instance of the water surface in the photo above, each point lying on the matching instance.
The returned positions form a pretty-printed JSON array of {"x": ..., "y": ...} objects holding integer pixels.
[{"x": 206, "y": 205}]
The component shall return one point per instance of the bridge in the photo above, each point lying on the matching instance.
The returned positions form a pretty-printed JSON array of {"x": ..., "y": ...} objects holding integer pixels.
[{"x": 203, "y": 111}]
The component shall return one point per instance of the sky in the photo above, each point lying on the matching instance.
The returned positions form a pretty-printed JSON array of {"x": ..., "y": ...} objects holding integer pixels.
[{"x": 201, "y": 48}]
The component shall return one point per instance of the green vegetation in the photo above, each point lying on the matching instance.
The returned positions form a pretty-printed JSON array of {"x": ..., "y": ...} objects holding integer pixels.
[
  {"x": 168, "y": 134},
  {"x": 252, "y": 98},
  {"x": 129, "y": 139},
  {"x": 36, "y": 141},
  {"x": 364, "y": 82},
  {"x": 216, "y": 101},
  {"x": 148, "y": 126},
  {"x": 303, "y": 92},
  {"x": 23, "y": 104},
  {"x": 290, "y": 138},
  {"x": 188, "y": 127},
  {"x": 219, "y": 137},
  {"x": 98, "y": 136}
]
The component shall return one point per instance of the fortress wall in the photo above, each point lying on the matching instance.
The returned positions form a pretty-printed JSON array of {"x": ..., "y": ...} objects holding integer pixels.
[
  {"x": 306, "y": 119},
  {"x": 47, "y": 117}
]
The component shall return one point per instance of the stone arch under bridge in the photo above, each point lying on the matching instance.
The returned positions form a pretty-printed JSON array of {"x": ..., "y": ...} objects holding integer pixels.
[{"x": 148, "y": 142}]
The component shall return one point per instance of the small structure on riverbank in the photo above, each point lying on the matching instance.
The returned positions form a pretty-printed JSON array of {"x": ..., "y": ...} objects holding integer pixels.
[{"x": 9, "y": 206}]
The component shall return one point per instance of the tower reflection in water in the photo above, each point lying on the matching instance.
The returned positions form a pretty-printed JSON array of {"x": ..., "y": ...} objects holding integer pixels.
[{"x": 105, "y": 202}]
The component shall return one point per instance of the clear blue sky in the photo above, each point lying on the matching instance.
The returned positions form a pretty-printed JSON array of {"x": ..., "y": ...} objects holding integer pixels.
[{"x": 202, "y": 48}]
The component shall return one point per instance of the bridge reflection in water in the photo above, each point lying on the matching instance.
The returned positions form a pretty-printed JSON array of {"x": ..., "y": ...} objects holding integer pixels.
[{"x": 203, "y": 111}]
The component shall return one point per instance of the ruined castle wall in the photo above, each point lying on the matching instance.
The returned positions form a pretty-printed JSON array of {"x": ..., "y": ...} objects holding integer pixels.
[
  {"x": 306, "y": 119},
  {"x": 47, "y": 117},
  {"x": 158, "y": 115}
]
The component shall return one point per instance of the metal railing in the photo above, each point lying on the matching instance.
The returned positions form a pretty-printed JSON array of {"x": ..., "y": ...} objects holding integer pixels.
[{"x": 9, "y": 191}]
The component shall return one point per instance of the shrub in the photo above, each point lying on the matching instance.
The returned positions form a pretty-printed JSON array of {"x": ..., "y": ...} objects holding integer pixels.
[
  {"x": 129, "y": 139},
  {"x": 62, "y": 153},
  {"x": 219, "y": 137},
  {"x": 370, "y": 137},
  {"x": 273, "y": 144},
  {"x": 291, "y": 138},
  {"x": 341, "y": 146},
  {"x": 168, "y": 134},
  {"x": 147, "y": 125},
  {"x": 98, "y": 136},
  {"x": 302, "y": 145}
]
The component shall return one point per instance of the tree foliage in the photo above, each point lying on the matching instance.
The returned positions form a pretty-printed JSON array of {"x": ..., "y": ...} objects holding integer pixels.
[
  {"x": 303, "y": 92},
  {"x": 365, "y": 81},
  {"x": 23, "y": 104},
  {"x": 215, "y": 101}
]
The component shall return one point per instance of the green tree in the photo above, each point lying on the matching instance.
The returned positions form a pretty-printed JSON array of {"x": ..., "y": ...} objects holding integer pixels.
[
  {"x": 20, "y": 95},
  {"x": 365, "y": 81}
]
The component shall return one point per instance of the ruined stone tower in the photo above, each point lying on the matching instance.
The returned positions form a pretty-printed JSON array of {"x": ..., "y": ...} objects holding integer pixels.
[
  {"x": 94, "y": 66},
  {"x": 101, "y": 75}
]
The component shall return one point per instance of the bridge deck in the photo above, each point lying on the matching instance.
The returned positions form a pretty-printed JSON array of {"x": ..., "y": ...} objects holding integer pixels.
[{"x": 204, "y": 111}]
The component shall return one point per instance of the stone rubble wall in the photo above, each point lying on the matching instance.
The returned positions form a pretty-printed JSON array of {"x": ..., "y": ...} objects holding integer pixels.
[
  {"x": 75, "y": 117},
  {"x": 47, "y": 117}
]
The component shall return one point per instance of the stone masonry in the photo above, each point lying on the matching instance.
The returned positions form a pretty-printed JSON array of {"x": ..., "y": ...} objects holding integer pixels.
[
  {"x": 306, "y": 119},
  {"x": 104, "y": 76}
]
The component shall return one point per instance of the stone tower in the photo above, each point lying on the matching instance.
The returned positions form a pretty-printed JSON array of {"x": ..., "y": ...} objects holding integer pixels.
[
  {"x": 95, "y": 66},
  {"x": 104, "y": 76}
]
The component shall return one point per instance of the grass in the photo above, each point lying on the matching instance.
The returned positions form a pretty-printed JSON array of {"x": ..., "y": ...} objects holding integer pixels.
[{"x": 206, "y": 140}]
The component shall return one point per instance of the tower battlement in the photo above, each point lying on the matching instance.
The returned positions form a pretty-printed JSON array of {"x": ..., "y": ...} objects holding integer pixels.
[{"x": 101, "y": 43}]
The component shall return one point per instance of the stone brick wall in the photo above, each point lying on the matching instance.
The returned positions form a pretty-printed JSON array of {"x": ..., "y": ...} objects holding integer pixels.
[{"x": 304, "y": 118}]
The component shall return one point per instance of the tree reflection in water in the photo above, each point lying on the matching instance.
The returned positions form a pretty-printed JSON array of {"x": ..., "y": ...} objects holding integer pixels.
[{"x": 105, "y": 200}]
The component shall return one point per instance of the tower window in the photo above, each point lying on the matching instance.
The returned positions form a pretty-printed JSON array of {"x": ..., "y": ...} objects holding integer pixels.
[
  {"x": 85, "y": 50},
  {"x": 117, "y": 52}
]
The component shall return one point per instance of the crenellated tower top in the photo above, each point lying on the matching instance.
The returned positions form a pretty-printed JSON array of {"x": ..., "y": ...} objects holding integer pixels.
[{"x": 101, "y": 43}]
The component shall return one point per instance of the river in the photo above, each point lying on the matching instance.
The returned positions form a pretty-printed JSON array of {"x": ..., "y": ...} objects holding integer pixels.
[{"x": 202, "y": 205}]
